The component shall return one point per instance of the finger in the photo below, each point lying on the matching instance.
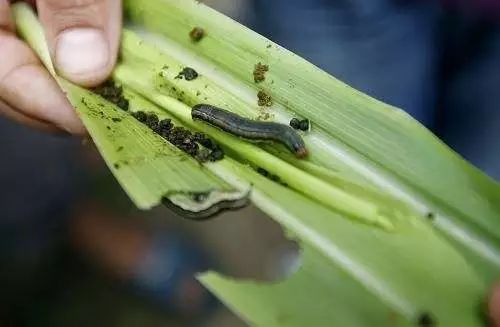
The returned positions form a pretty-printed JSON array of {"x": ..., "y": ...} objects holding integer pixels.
[
  {"x": 6, "y": 22},
  {"x": 27, "y": 86},
  {"x": 16, "y": 115},
  {"x": 494, "y": 306},
  {"x": 83, "y": 36}
]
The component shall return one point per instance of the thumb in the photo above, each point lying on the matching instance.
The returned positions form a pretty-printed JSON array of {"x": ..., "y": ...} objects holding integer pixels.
[{"x": 83, "y": 37}]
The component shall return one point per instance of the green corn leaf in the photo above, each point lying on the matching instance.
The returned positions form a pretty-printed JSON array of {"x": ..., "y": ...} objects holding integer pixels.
[
  {"x": 148, "y": 168},
  {"x": 352, "y": 133},
  {"x": 358, "y": 275},
  {"x": 31, "y": 31},
  {"x": 357, "y": 205},
  {"x": 321, "y": 191},
  {"x": 353, "y": 275},
  {"x": 370, "y": 127}
]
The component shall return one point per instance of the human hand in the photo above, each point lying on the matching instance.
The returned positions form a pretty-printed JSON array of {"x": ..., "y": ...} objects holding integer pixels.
[
  {"x": 494, "y": 306},
  {"x": 83, "y": 37}
]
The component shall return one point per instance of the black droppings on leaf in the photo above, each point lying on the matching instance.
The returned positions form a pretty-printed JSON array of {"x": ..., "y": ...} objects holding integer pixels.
[
  {"x": 259, "y": 73},
  {"x": 182, "y": 138},
  {"x": 113, "y": 93},
  {"x": 274, "y": 178},
  {"x": 140, "y": 116},
  {"x": 203, "y": 155},
  {"x": 199, "y": 137},
  {"x": 304, "y": 125},
  {"x": 205, "y": 141},
  {"x": 209, "y": 144},
  {"x": 188, "y": 73},
  {"x": 295, "y": 123},
  {"x": 263, "y": 172},
  {"x": 123, "y": 104},
  {"x": 197, "y": 34},
  {"x": 425, "y": 319},
  {"x": 116, "y": 120},
  {"x": 265, "y": 100},
  {"x": 152, "y": 121},
  {"x": 165, "y": 125},
  {"x": 216, "y": 154}
]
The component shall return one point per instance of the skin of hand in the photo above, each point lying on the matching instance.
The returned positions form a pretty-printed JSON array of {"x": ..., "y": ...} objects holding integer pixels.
[
  {"x": 494, "y": 306},
  {"x": 83, "y": 37}
]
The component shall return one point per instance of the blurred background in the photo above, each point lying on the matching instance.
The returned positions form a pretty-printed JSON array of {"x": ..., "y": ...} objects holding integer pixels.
[{"x": 75, "y": 252}]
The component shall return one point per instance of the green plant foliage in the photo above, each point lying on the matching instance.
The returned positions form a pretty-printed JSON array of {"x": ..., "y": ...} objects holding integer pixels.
[{"x": 394, "y": 227}]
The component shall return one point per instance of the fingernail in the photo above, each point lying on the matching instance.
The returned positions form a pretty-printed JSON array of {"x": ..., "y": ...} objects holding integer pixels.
[{"x": 81, "y": 51}]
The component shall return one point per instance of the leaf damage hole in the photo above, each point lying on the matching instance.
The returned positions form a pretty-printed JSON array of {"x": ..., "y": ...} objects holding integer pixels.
[{"x": 249, "y": 245}]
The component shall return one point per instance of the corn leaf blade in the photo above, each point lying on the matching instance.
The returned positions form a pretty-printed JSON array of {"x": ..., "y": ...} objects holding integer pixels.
[
  {"x": 366, "y": 138},
  {"x": 359, "y": 274}
]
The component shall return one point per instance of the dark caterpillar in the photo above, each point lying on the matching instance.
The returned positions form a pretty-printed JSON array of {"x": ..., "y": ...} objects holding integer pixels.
[{"x": 250, "y": 129}]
